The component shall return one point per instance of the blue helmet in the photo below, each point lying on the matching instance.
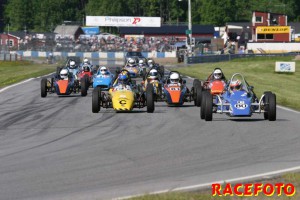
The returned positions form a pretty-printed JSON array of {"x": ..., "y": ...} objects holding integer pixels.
[{"x": 123, "y": 78}]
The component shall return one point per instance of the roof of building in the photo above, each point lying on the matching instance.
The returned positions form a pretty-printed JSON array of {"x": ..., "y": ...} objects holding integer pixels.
[
  {"x": 67, "y": 29},
  {"x": 168, "y": 29}
]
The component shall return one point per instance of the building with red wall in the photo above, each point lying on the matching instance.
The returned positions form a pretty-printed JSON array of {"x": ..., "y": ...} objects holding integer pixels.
[{"x": 270, "y": 27}]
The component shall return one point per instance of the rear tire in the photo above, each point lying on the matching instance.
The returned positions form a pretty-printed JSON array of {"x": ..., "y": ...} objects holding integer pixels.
[
  {"x": 96, "y": 100},
  {"x": 150, "y": 98},
  {"x": 44, "y": 87},
  {"x": 208, "y": 106}
]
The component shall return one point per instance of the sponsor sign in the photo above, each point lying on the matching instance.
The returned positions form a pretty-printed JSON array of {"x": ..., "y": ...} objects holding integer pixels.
[
  {"x": 285, "y": 67},
  {"x": 91, "y": 30},
  {"x": 123, "y": 21},
  {"x": 273, "y": 29}
]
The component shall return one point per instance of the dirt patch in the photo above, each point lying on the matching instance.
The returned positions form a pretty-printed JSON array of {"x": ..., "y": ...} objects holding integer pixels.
[
  {"x": 165, "y": 61},
  {"x": 297, "y": 57}
]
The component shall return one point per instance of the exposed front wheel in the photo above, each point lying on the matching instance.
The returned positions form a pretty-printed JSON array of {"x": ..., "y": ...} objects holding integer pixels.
[
  {"x": 150, "y": 98},
  {"x": 208, "y": 106},
  {"x": 83, "y": 86},
  {"x": 44, "y": 87},
  {"x": 96, "y": 100}
]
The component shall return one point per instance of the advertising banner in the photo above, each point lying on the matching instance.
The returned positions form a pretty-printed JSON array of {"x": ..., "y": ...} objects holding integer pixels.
[
  {"x": 285, "y": 67},
  {"x": 272, "y": 29},
  {"x": 91, "y": 30},
  {"x": 123, "y": 21}
]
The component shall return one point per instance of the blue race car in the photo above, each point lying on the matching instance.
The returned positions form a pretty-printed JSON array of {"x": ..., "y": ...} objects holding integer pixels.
[
  {"x": 103, "y": 79},
  {"x": 238, "y": 100}
]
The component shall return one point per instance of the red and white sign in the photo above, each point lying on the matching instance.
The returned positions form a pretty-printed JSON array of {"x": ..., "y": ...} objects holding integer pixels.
[{"x": 123, "y": 21}]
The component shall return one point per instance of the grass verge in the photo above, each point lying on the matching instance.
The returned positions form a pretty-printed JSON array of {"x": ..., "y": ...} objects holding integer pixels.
[
  {"x": 260, "y": 73},
  {"x": 13, "y": 72}
]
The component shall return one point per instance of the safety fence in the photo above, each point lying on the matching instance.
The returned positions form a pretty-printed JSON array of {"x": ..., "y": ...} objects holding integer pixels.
[
  {"x": 93, "y": 55},
  {"x": 228, "y": 57},
  {"x": 10, "y": 57}
]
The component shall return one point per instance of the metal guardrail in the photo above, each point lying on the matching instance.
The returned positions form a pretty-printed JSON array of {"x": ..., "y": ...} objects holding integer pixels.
[
  {"x": 10, "y": 57},
  {"x": 228, "y": 57}
]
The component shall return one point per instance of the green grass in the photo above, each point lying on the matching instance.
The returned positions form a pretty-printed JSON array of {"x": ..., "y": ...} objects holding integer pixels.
[
  {"x": 13, "y": 72},
  {"x": 260, "y": 73}
]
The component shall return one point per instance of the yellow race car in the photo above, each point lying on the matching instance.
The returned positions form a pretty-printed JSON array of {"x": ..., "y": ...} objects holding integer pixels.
[{"x": 123, "y": 96}]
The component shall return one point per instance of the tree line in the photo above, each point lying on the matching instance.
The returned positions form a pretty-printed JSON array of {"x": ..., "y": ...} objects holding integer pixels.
[{"x": 45, "y": 15}]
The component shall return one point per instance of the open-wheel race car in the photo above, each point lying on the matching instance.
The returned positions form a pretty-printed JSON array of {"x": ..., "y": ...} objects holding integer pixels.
[
  {"x": 103, "y": 78},
  {"x": 123, "y": 96},
  {"x": 63, "y": 84},
  {"x": 238, "y": 100},
  {"x": 215, "y": 84}
]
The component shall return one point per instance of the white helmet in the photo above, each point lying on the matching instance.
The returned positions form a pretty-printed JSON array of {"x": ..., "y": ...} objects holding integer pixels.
[
  {"x": 217, "y": 74},
  {"x": 103, "y": 70},
  {"x": 153, "y": 74},
  {"x": 131, "y": 62},
  {"x": 64, "y": 74},
  {"x": 72, "y": 64},
  {"x": 174, "y": 78},
  {"x": 141, "y": 62},
  {"x": 86, "y": 61},
  {"x": 150, "y": 61}
]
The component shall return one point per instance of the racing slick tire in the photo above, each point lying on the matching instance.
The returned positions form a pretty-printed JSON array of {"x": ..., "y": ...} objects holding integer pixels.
[
  {"x": 203, "y": 106},
  {"x": 87, "y": 84},
  {"x": 96, "y": 100},
  {"x": 150, "y": 98},
  {"x": 208, "y": 106},
  {"x": 118, "y": 70},
  {"x": 266, "y": 114},
  {"x": 199, "y": 91},
  {"x": 44, "y": 87},
  {"x": 195, "y": 82},
  {"x": 271, "y": 104},
  {"x": 83, "y": 86}
]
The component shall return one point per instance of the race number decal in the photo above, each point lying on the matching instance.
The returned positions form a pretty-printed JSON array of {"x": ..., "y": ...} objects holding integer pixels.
[
  {"x": 175, "y": 89},
  {"x": 122, "y": 102},
  {"x": 240, "y": 105}
]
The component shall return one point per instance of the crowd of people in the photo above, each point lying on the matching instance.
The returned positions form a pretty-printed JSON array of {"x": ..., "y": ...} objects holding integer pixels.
[{"x": 99, "y": 44}]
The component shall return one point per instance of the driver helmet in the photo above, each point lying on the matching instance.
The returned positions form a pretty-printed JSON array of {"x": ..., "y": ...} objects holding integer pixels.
[
  {"x": 103, "y": 70},
  {"x": 235, "y": 85},
  {"x": 131, "y": 62},
  {"x": 86, "y": 68},
  {"x": 217, "y": 74},
  {"x": 64, "y": 74},
  {"x": 123, "y": 78},
  {"x": 174, "y": 78},
  {"x": 153, "y": 74},
  {"x": 85, "y": 61},
  {"x": 150, "y": 62},
  {"x": 72, "y": 64},
  {"x": 141, "y": 62}
]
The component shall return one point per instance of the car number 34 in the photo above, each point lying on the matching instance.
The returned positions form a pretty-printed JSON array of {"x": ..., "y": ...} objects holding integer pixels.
[{"x": 240, "y": 105}]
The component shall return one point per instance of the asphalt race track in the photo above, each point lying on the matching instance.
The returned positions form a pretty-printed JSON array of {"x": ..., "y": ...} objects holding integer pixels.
[{"x": 56, "y": 148}]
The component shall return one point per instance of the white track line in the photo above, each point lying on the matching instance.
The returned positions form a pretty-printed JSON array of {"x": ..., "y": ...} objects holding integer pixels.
[
  {"x": 27, "y": 80},
  {"x": 208, "y": 185}
]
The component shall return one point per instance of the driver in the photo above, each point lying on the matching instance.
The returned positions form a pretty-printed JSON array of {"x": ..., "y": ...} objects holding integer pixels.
[
  {"x": 153, "y": 75},
  {"x": 235, "y": 85},
  {"x": 131, "y": 63},
  {"x": 216, "y": 75},
  {"x": 174, "y": 78},
  {"x": 103, "y": 71},
  {"x": 72, "y": 64},
  {"x": 64, "y": 74},
  {"x": 123, "y": 82}
]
